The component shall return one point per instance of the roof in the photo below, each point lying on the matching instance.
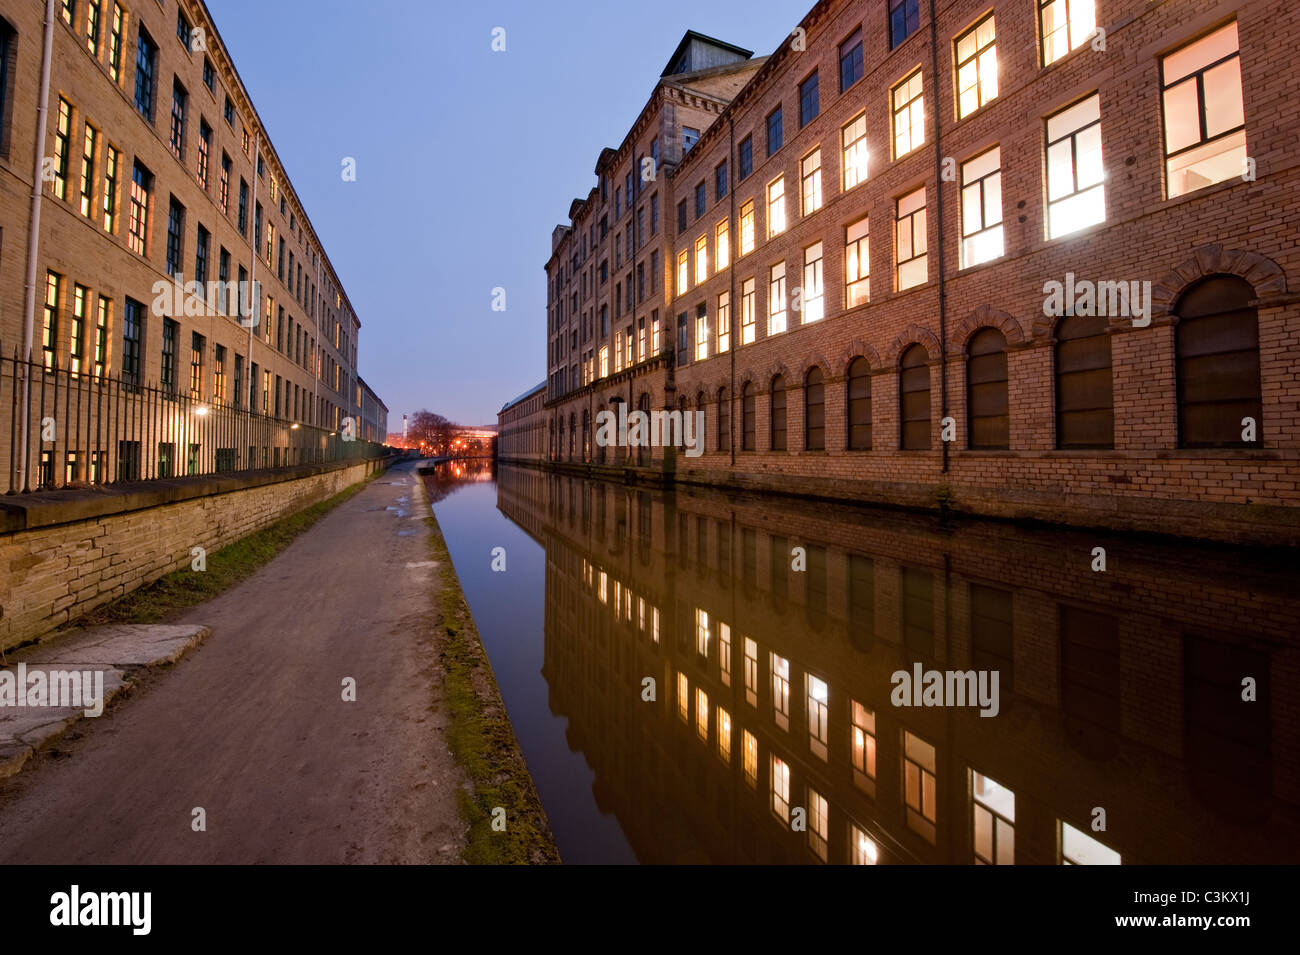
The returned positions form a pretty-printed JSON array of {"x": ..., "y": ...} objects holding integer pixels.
[
  {"x": 675, "y": 61},
  {"x": 540, "y": 386}
]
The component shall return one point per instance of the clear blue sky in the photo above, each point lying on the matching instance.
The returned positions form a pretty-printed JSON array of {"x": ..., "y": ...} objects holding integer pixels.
[{"x": 466, "y": 158}]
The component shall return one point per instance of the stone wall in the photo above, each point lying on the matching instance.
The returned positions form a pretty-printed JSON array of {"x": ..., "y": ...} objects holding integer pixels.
[{"x": 64, "y": 553}]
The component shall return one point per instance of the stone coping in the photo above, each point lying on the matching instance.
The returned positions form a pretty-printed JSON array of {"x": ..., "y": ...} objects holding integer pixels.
[{"x": 22, "y": 512}]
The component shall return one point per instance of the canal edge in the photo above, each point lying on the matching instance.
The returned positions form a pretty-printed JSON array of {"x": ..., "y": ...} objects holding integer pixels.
[{"x": 478, "y": 731}]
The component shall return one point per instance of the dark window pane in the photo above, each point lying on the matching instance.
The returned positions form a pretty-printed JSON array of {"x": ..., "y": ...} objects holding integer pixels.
[{"x": 914, "y": 399}]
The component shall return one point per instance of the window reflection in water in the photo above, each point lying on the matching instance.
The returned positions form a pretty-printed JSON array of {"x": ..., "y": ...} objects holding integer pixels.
[{"x": 1121, "y": 690}]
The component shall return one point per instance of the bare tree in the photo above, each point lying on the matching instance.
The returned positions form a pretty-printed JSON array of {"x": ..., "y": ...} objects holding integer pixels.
[{"x": 430, "y": 432}]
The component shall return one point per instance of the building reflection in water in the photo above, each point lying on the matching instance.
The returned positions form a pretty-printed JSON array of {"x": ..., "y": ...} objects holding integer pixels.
[{"x": 1121, "y": 735}]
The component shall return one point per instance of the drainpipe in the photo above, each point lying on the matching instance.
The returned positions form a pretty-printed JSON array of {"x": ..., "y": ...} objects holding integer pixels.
[
  {"x": 252, "y": 273},
  {"x": 732, "y": 227},
  {"x": 34, "y": 237},
  {"x": 938, "y": 183}
]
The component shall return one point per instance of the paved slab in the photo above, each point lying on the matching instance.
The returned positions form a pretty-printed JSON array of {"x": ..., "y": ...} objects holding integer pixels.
[
  {"x": 252, "y": 728},
  {"x": 98, "y": 659}
]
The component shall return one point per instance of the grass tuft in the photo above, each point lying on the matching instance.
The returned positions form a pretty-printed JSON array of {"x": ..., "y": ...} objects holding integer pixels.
[{"x": 182, "y": 589}]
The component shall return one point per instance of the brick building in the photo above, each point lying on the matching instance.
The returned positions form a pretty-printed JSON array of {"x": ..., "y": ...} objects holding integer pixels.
[
  {"x": 154, "y": 169},
  {"x": 870, "y": 259},
  {"x": 374, "y": 414},
  {"x": 521, "y": 426}
]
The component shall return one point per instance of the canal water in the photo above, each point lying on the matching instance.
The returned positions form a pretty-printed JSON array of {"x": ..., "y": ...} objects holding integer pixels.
[{"x": 700, "y": 677}]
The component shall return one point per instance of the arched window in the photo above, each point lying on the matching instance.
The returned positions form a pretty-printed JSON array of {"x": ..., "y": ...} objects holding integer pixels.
[
  {"x": 778, "y": 413},
  {"x": 1216, "y": 343},
  {"x": 814, "y": 406},
  {"x": 724, "y": 420},
  {"x": 1085, "y": 407},
  {"x": 556, "y": 449},
  {"x": 859, "y": 388},
  {"x": 914, "y": 399},
  {"x": 572, "y": 437},
  {"x": 586, "y": 434},
  {"x": 986, "y": 390},
  {"x": 747, "y": 417}
]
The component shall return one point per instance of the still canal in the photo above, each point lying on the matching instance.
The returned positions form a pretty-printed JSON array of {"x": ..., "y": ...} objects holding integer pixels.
[{"x": 701, "y": 677}]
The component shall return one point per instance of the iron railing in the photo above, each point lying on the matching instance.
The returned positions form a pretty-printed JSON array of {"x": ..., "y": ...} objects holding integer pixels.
[{"x": 79, "y": 428}]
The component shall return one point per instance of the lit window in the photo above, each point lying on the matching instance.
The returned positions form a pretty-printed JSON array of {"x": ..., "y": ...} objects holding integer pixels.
[
  {"x": 683, "y": 276},
  {"x": 747, "y": 322},
  {"x": 919, "y": 768},
  {"x": 813, "y": 292},
  {"x": 865, "y": 850},
  {"x": 683, "y": 697},
  {"x": 981, "y": 208},
  {"x": 604, "y": 361},
  {"x": 818, "y": 702},
  {"x": 811, "y": 178},
  {"x": 1205, "y": 133},
  {"x": 50, "y": 326},
  {"x": 722, "y": 247},
  {"x": 749, "y": 756},
  {"x": 977, "y": 67},
  {"x": 92, "y": 27},
  {"x": 747, "y": 228},
  {"x": 780, "y": 788},
  {"x": 993, "y": 821},
  {"x": 701, "y": 259},
  {"x": 115, "y": 44},
  {"x": 724, "y": 322},
  {"x": 818, "y": 823},
  {"x": 724, "y": 735},
  {"x": 1065, "y": 25},
  {"x": 909, "y": 115},
  {"x": 853, "y": 139},
  {"x": 781, "y": 691},
  {"x": 702, "y": 714},
  {"x": 701, "y": 333},
  {"x": 88, "y": 171},
  {"x": 110, "y": 189},
  {"x": 913, "y": 269},
  {"x": 138, "y": 225},
  {"x": 724, "y": 653},
  {"x": 1079, "y": 848},
  {"x": 62, "y": 147},
  {"x": 1076, "y": 195},
  {"x": 776, "y": 207},
  {"x": 702, "y": 632},
  {"x": 751, "y": 672},
  {"x": 857, "y": 265},
  {"x": 776, "y": 299},
  {"x": 654, "y": 621},
  {"x": 863, "y": 755}
]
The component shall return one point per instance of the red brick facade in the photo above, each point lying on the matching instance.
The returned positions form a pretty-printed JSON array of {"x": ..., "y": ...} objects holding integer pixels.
[{"x": 1149, "y": 477}]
